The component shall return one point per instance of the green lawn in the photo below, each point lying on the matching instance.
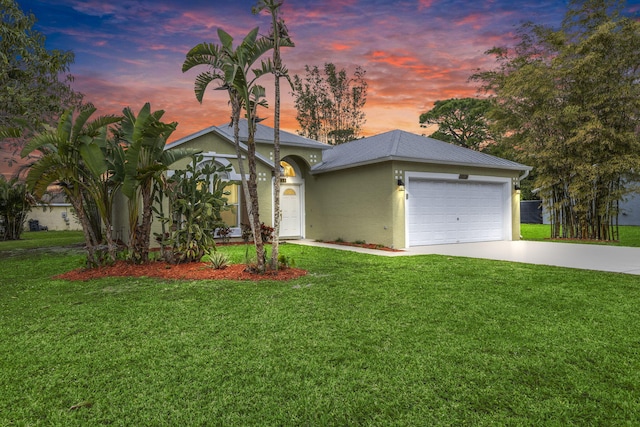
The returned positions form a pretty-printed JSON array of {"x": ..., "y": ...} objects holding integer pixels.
[
  {"x": 361, "y": 340},
  {"x": 629, "y": 234},
  {"x": 43, "y": 239}
]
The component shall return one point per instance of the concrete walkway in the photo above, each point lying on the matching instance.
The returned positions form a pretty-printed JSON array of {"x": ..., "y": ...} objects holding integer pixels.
[{"x": 572, "y": 255}]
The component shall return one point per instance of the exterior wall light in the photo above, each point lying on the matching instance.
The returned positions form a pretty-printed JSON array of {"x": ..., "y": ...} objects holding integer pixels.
[{"x": 400, "y": 183}]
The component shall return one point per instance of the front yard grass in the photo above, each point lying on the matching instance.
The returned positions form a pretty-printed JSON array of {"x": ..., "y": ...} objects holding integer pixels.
[
  {"x": 629, "y": 235},
  {"x": 43, "y": 239},
  {"x": 361, "y": 340}
]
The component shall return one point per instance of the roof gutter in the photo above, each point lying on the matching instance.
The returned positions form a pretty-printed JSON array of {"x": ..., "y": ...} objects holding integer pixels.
[{"x": 314, "y": 170}]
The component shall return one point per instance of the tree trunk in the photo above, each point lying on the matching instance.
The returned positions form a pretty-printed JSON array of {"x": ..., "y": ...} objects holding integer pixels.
[
  {"x": 144, "y": 231},
  {"x": 275, "y": 243},
  {"x": 235, "y": 118},
  {"x": 87, "y": 230},
  {"x": 253, "y": 195}
]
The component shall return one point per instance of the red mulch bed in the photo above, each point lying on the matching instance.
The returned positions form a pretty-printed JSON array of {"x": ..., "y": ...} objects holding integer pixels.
[
  {"x": 366, "y": 245},
  {"x": 187, "y": 271}
]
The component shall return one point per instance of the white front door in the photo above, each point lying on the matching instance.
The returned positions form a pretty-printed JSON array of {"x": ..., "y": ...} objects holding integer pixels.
[{"x": 291, "y": 222}]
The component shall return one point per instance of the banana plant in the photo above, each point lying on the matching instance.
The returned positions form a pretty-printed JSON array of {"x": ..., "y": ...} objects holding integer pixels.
[
  {"x": 145, "y": 161},
  {"x": 70, "y": 156}
]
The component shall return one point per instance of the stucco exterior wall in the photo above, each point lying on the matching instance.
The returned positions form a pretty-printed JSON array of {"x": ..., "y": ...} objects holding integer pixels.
[
  {"x": 310, "y": 156},
  {"x": 353, "y": 204},
  {"x": 57, "y": 217},
  {"x": 515, "y": 213}
]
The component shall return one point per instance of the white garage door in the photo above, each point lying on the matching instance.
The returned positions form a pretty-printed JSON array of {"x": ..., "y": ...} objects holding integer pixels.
[{"x": 454, "y": 212}]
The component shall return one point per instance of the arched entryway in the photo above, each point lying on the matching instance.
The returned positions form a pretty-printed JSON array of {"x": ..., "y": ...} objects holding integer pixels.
[{"x": 291, "y": 200}]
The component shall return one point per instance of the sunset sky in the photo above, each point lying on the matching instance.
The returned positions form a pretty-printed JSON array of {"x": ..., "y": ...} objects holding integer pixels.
[{"x": 415, "y": 52}]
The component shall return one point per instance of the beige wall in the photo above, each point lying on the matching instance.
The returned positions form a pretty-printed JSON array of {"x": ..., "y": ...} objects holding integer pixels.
[
  {"x": 305, "y": 158},
  {"x": 353, "y": 204},
  {"x": 515, "y": 213},
  {"x": 310, "y": 156},
  {"x": 54, "y": 218}
]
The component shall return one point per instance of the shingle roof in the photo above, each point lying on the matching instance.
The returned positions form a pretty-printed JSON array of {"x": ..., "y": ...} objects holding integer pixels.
[
  {"x": 401, "y": 145},
  {"x": 264, "y": 134}
]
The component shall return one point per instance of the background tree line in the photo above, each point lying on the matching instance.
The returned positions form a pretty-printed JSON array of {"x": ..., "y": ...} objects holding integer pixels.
[
  {"x": 567, "y": 102},
  {"x": 330, "y": 104},
  {"x": 36, "y": 89}
]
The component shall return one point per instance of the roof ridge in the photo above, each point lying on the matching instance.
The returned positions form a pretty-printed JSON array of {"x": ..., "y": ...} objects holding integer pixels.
[{"x": 397, "y": 135}]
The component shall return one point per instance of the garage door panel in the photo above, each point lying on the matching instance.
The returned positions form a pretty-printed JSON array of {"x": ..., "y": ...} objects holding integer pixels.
[{"x": 451, "y": 211}]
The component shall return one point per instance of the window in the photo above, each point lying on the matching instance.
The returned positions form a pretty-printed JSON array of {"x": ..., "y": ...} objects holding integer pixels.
[
  {"x": 287, "y": 169},
  {"x": 230, "y": 217}
]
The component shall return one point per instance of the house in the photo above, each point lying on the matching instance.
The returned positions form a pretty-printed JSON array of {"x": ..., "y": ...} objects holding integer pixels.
[
  {"x": 396, "y": 189},
  {"x": 54, "y": 212}
]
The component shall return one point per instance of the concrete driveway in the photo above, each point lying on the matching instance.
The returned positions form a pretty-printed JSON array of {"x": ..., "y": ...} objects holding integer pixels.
[{"x": 587, "y": 257}]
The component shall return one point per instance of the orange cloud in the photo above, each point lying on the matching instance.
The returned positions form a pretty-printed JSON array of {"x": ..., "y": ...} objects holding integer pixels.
[{"x": 340, "y": 46}]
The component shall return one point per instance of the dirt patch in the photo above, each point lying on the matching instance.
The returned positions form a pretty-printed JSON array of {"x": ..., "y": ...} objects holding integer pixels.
[{"x": 188, "y": 271}]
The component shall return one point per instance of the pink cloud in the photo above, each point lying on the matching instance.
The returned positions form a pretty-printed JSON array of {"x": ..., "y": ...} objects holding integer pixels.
[
  {"x": 475, "y": 20},
  {"x": 425, "y": 4}
]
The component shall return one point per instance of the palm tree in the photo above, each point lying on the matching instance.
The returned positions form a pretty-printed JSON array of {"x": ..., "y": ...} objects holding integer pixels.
[
  {"x": 278, "y": 33},
  {"x": 232, "y": 69},
  {"x": 68, "y": 159},
  {"x": 145, "y": 160}
]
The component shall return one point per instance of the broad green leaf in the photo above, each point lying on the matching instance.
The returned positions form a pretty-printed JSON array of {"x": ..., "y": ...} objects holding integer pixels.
[{"x": 93, "y": 158}]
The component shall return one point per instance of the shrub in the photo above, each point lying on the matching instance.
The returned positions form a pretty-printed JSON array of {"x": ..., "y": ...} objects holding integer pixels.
[
  {"x": 197, "y": 196},
  {"x": 223, "y": 233},
  {"x": 285, "y": 262},
  {"x": 266, "y": 232},
  {"x": 246, "y": 232},
  {"x": 216, "y": 260}
]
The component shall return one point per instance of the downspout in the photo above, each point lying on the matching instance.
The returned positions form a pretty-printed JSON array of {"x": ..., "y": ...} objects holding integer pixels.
[{"x": 524, "y": 176}]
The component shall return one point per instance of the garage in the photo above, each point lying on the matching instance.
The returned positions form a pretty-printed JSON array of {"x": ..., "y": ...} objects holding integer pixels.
[
  {"x": 457, "y": 210},
  {"x": 400, "y": 189}
]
